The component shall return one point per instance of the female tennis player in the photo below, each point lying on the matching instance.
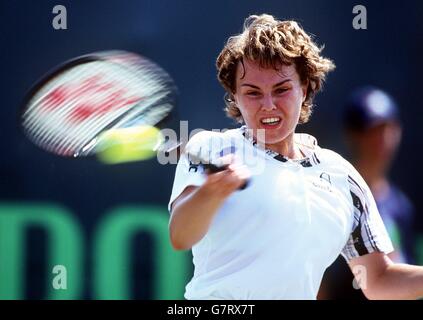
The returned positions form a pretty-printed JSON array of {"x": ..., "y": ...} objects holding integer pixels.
[{"x": 303, "y": 205}]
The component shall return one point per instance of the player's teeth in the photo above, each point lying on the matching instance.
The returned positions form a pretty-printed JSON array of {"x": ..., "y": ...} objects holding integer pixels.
[{"x": 270, "y": 120}]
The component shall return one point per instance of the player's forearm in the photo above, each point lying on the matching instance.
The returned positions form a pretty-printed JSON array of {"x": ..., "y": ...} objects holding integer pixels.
[
  {"x": 399, "y": 281},
  {"x": 192, "y": 217}
]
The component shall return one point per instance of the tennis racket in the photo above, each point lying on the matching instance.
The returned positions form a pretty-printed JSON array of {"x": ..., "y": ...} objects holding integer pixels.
[
  {"x": 68, "y": 110},
  {"x": 71, "y": 110}
]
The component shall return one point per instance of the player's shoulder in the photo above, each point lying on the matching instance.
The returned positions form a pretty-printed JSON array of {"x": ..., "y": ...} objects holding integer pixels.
[
  {"x": 326, "y": 156},
  {"x": 337, "y": 162},
  {"x": 333, "y": 158}
]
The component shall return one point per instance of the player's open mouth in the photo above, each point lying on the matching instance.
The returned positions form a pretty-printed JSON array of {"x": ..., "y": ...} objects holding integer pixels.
[{"x": 271, "y": 121}]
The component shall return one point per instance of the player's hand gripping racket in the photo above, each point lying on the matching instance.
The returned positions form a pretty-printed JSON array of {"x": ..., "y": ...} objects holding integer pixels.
[{"x": 88, "y": 104}]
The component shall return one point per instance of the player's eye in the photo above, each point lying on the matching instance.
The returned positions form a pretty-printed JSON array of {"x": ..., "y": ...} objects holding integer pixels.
[
  {"x": 253, "y": 93},
  {"x": 281, "y": 90}
]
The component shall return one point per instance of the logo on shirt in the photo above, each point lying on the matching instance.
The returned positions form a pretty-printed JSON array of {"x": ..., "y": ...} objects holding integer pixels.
[
  {"x": 326, "y": 177},
  {"x": 324, "y": 183},
  {"x": 193, "y": 167}
]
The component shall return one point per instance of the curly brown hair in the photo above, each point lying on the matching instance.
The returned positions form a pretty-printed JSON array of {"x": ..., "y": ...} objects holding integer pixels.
[{"x": 270, "y": 42}]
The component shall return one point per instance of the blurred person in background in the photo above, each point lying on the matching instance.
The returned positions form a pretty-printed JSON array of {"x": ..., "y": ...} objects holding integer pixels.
[{"x": 373, "y": 134}]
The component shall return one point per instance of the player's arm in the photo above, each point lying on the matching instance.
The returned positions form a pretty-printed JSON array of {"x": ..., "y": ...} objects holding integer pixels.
[
  {"x": 382, "y": 279},
  {"x": 192, "y": 212}
]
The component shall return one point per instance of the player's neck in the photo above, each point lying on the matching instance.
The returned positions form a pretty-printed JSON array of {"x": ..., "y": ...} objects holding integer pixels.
[{"x": 287, "y": 148}]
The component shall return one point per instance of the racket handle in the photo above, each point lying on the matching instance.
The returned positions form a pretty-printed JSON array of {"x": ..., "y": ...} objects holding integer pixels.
[{"x": 213, "y": 169}]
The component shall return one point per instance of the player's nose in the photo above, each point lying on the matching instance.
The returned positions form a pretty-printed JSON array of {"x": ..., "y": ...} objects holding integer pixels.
[{"x": 268, "y": 103}]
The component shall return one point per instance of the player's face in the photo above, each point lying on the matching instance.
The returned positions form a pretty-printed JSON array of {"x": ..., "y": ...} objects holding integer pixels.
[{"x": 269, "y": 99}]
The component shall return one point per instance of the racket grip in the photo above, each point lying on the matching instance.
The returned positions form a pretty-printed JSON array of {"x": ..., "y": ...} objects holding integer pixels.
[{"x": 213, "y": 169}]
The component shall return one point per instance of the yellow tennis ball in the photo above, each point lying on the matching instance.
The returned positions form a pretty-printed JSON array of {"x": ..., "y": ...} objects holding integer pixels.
[{"x": 128, "y": 144}]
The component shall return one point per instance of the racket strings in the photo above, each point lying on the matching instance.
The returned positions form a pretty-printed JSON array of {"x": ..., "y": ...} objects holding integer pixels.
[{"x": 110, "y": 94}]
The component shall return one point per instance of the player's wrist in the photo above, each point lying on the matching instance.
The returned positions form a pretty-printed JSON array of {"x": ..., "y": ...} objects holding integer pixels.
[{"x": 213, "y": 193}]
